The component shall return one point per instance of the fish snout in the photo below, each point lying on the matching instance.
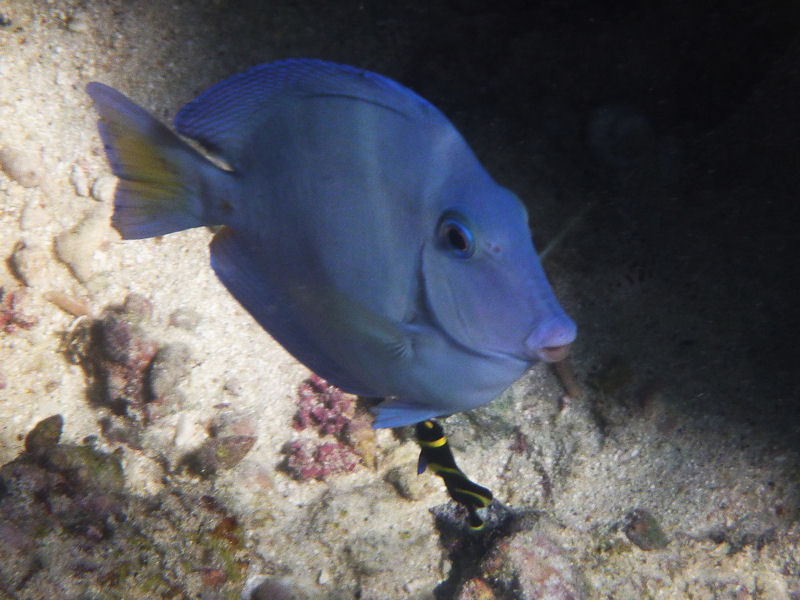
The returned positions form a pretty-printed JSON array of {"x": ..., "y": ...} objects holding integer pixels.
[
  {"x": 553, "y": 353},
  {"x": 550, "y": 340}
]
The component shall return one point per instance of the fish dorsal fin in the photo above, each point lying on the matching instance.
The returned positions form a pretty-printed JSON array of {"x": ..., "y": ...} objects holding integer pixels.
[
  {"x": 422, "y": 464},
  {"x": 221, "y": 117}
]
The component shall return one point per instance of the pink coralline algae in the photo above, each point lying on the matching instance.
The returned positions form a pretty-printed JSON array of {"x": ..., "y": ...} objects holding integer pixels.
[
  {"x": 323, "y": 406},
  {"x": 307, "y": 460},
  {"x": 11, "y": 318},
  {"x": 329, "y": 412}
]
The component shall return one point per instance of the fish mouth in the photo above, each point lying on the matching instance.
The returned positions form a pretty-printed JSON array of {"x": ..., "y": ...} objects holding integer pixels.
[
  {"x": 553, "y": 354},
  {"x": 551, "y": 339}
]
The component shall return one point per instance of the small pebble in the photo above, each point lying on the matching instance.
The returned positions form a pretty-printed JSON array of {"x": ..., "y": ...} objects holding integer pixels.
[
  {"x": 218, "y": 453},
  {"x": 103, "y": 188},
  {"x": 184, "y": 318},
  {"x": 643, "y": 530},
  {"x": 21, "y": 166},
  {"x": 136, "y": 309},
  {"x": 88, "y": 468},
  {"x": 275, "y": 589},
  {"x": 233, "y": 387},
  {"x": 168, "y": 368},
  {"x": 188, "y": 432},
  {"x": 79, "y": 22},
  {"x": 44, "y": 435},
  {"x": 405, "y": 480},
  {"x": 64, "y": 78},
  {"x": 74, "y": 306},
  {"x": 34, "y": 216},
  {"x": 76, "y": 247},
  {"x": 79, "y": 181},
  {"x": 30, "y": 264},
  {"x": 18, "y": 262}
]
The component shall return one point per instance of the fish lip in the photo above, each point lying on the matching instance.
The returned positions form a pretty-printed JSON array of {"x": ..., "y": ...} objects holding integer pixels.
[
  {"x": 551, "y": 338},
  {"x": 553, "y": 354}
]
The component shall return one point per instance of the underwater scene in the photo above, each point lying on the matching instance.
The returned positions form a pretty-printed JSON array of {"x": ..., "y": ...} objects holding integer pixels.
[{"x": 379, "y": 300}]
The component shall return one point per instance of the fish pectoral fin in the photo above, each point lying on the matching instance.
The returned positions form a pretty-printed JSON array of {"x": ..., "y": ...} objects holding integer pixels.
[
  {"x": 422, "y": 464},
  {"x": 398, "y": 412},
  {"x": 349, "y": 322}
]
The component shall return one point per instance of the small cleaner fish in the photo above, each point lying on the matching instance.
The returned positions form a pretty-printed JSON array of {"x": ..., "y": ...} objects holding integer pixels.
[{"x": 435, "y": 454}]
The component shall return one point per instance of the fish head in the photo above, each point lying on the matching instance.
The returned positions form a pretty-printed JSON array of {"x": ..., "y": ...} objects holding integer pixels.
[{"x": 484, "y": 284}]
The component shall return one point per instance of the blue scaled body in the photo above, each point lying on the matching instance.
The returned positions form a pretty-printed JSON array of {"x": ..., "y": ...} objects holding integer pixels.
[{"x": 358, "y": 229}]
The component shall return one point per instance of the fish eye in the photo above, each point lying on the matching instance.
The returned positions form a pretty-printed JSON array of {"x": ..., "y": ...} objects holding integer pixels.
[{"x": 455, "y": 236}]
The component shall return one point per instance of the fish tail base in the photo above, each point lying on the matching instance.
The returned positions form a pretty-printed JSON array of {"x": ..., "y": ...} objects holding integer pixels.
[{"x": 160, "y": 175}]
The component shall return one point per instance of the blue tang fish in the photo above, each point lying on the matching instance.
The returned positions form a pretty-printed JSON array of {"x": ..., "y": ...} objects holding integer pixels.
[{"x": 358, "y": 228}]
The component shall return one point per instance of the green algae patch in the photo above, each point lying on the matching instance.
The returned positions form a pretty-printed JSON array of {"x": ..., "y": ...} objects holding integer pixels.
[{"x": 70, "y": 529}]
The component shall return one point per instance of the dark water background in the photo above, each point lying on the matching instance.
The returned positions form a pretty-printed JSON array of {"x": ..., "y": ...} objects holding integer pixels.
[{"x": 685, "y": 263}]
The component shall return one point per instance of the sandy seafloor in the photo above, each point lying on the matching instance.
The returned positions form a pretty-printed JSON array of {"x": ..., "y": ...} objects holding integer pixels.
[{"x": 666, "y": 136}]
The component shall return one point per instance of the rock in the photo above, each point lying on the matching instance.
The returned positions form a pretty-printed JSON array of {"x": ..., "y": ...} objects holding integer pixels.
[
  {"x": 11, "y": 317},
  {"x": 19, "y": 261},
  {"x": 79, "y": 181},
  {"x": 76, "y": 247},
  {"x": 359, "y": 434},
  {"x": 184, "y": 318},
  {"x": 274, "y": 588},
  {"x": 476, "y": 589},
  {"x": 324, "y": 577},
  {"x": 15, "y": 539},
  {"x": 34, "y": 215},
  {"x": 531, "y": 564},
  {"x": 188, "y": 433},
  {"x": 405, "y": 480},
  {"x": 23, "y": 167},
  {"x": 643, "y": 529},
  {"x": 30, "y": 264},
  {"x": 116, "y": 356},
  {"x": 69, "y": 304},
  {"x": 44, "y": 435},
  {"x": 79, "y": 22},
  {"x": 169, "y": 367},
  {"x": 87, "y": 468},
  {"x": 233, "y": 387},
  {"x": 136, "y": 309},
  {"x": 218, "y": 453},
  {"x": 103, "y": 188},
  {"x": 121, "y": 433},
  {"x": 310, "y": 460},
  {"x": 68, "y": 524}
]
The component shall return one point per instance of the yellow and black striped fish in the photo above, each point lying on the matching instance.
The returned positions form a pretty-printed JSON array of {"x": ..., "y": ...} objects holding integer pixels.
[{"x": 436, "y": 455}]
